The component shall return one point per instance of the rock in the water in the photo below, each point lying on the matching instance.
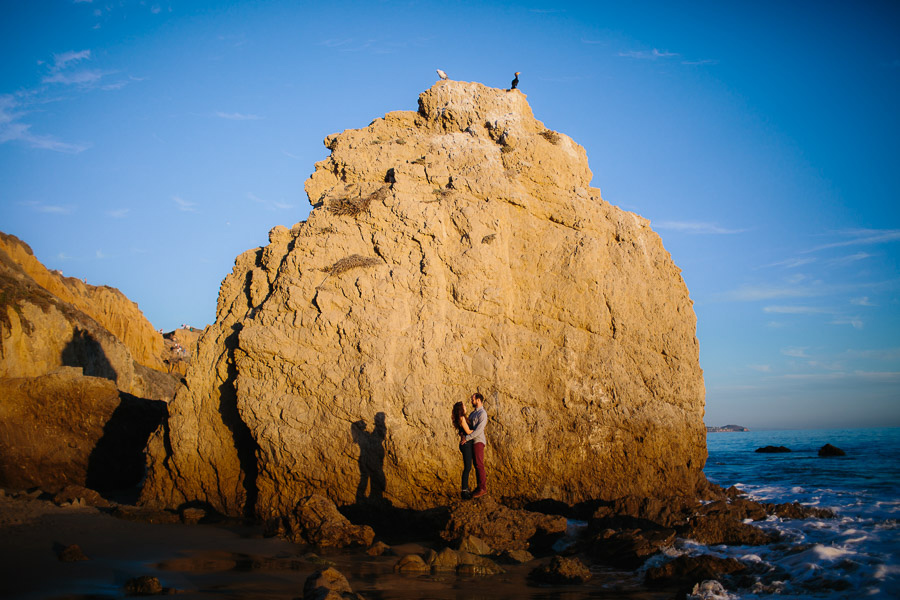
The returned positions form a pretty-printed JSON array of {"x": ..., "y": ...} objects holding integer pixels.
[
  {"x": 328, "y": 584},
  {"x": 561, "y": 570},
  {"x": 379, "y": 549},
  {"x": 411, "y": 563},
  {"x": 71, "y": 553},
  {"x": 66, "y": 429},
  {"x": 772, "y": 449},
  {"x": 317, "y": 521},
  {"x": 725, "y": 529},
  {"x": 795, "y": 510},
  {"x": 145, "y": 585},
  {"x": 456, "y": 248},
  {"x": 628, "y": 549},
  {"x": 829, "y": 450},
  {"x": 708, "y": 590},
  {"x": 500, "y": 527},
  {"x": 686, "y": 571}
]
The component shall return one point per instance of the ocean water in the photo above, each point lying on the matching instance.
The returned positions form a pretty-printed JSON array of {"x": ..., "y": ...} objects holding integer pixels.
[{"x": 854, "y": 555}]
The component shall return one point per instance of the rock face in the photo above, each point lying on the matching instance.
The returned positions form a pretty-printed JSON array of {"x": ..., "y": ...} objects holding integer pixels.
[
  {"x": 63, "y": 429},
  {"x": 107, "y": 306},
  {"x": 48, "y": 321},
  {"x": 455, "y": 248},
  {"x": 77, "y": 402}
]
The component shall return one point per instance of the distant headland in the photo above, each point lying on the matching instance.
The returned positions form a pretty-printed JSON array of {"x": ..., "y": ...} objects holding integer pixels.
[{"x": 725, "y": 428}]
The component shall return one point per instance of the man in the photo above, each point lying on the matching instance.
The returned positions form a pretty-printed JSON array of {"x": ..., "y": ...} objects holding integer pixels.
[{"x": 477, "y": 420}]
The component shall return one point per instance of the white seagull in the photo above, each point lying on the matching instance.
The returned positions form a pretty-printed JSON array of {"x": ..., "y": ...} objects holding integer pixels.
[{"x": 441, "y": 74}]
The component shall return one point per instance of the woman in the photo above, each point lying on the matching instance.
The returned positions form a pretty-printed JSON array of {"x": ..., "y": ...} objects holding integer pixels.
[{"x": 461, "y": 424}]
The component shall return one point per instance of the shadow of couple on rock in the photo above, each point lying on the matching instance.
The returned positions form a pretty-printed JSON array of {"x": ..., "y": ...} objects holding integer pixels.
[{"x": 371, "y": 460}]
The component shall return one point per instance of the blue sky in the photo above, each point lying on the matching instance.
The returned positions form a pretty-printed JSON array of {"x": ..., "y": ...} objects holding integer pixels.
[{"x": 144, "y": 145}]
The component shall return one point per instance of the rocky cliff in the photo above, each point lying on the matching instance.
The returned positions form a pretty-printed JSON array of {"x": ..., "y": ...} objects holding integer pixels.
[
  {"x": 107, "y": 306},
  {"x": 47, "y": 321},
  {"x": 76, "y": 406},
  {"x": 452, "y": 249}
]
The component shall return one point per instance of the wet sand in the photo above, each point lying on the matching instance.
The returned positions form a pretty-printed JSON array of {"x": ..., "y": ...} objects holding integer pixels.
[{"x": 230, "y": 560}]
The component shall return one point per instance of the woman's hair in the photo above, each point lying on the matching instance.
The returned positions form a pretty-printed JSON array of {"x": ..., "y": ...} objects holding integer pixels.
[{"x": 459, "y": 410}]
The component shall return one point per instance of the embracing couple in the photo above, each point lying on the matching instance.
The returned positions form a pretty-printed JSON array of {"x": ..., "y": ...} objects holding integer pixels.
[{"x": 471, "y": 443}]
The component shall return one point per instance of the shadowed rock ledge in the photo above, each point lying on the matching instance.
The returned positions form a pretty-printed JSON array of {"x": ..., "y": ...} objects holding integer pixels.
[{"x": 456, "y": 248}]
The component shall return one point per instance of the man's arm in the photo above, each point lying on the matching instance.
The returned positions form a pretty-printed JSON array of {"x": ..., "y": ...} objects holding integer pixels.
[{"x": 479, "y": 426}]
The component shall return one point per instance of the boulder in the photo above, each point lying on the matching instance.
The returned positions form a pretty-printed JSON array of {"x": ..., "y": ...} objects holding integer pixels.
[
  {"x": 453, "y": 249},
  {"x": 500, "y": 527},
  {"x": 629, "y": 548},
  {"x": 411, "y": 563},
  {"x": 724, "y": 528},
  {"x": 379, "y": 549},
  {"x": 145, "y": 585},
  {"x": 561, "y": 570},
  {"x": 772, "y": 450},
  {"x": 795, "y": 510},
  {"x": 829, "y": 450},
  {"x": 475, "y": 545},
  {"x": 71, "y": 553},
  {"x": 328, "y": 584},
  {"x": 317, "y": 521},
  {"x": 64, "y": 429},
  {"x": 686, "y": 571},
  {"x": 72, "y": 493}
]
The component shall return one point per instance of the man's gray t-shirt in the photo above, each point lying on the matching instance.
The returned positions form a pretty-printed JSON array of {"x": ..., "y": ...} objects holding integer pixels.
[{"x": 477, "y": 420}]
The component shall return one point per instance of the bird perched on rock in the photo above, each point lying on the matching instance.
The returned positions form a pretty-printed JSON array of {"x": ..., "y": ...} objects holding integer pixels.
[
  {"x": 515, "y": 81},
  {"x": 441, "y": 74}
]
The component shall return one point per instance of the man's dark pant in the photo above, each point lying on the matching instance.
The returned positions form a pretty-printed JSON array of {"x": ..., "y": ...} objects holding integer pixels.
[{"x": 479, "y": 467}]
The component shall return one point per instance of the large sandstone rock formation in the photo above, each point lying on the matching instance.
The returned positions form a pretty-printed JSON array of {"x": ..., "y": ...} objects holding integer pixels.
[{"x": 456, "y": 248}]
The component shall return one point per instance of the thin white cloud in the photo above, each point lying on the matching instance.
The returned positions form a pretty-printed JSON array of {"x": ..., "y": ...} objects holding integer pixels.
[
  {"x": 751, "y": 293},
  {"x": 796, "y": 310},
  {"x": 60, "y": 61},
  {"x": 887, "y": 354},
  {"x": 118, "y": 213},
  {"x": 701, "y": 62},
  {"x": 761, "y": 368},
  {"x": 866, "y": 375},
  {"x": 852, "y": 258},
  {"x": 14, "y": 131},
  {"x": 184, "y": 205},
  {"x": 271, "y": 205},
  {"x": 84, "y": 77},
  {"x": 237, "y": 116},
  {"x": 594, "y": 42},
  {"x": 861, "y": 237},
  {"x": 695, "y": 227},
  {"x": 99, "y": 254},
  {"x": 792, "y": 263},
  {"x": 795, "y": 351},
  {"x": 855, "y": 322},
  {"x": 289, "y": 155},
  {"x": 53, "y": 209},
  {"x": 648, "y": 54},
  {"x": 863, "y": 301}
]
